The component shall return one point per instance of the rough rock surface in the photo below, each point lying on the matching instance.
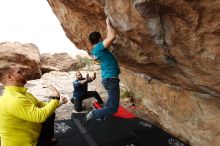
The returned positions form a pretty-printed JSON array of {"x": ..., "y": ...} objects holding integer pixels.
[
  {"x": 175, "y": 41},
  {"x": 25, "y": 55},
  {"x": 57, "y": 62},
  {"x": 189, "y": 115}
]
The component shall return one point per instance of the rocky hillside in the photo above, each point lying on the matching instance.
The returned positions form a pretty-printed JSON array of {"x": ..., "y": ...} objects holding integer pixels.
[
  {"x": 26, "y": 55},
  {"x": 57, "y": 62},
  {"x": 169, "y": 47}
]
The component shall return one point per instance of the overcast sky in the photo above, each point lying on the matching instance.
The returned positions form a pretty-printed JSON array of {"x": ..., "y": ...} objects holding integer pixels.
[{"x": 32, "y": 21}]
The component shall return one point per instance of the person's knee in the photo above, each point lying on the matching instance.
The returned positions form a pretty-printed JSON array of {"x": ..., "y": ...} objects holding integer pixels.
[
  {"x": 96, "y": 93},
  {"x": 72, "y": 100},
  {"x": 78, "y": 109},
  {"x": 114, "y": 109},
  {"x": 51, "y": 117}
]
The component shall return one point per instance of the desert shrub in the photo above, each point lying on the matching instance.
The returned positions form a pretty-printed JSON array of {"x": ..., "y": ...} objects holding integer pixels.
[
  {"x": 83, "y": 61},
  {"x": 126, "y": 94}
]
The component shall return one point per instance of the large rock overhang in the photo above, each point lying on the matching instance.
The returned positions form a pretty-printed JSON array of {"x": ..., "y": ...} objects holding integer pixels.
[{"x": 176, "y": 42}]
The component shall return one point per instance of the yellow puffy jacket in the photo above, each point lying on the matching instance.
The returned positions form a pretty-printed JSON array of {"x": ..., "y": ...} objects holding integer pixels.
[{"x": 21, "y": 115}]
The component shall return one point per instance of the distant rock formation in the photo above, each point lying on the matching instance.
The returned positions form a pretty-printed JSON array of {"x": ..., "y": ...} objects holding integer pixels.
[
  {"x": 57, "y": 62},
  {"x": 27, "y": 56}
]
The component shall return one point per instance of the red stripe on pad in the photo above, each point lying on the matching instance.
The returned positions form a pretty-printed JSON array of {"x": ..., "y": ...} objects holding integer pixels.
[{"x": 122, "y": 112}]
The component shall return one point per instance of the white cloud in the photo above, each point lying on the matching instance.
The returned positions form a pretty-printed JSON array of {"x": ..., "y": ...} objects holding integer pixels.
[{"x": 32, "y": 21}]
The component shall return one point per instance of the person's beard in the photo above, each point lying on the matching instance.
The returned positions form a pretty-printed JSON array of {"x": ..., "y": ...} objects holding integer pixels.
[
  {"x": 80, "y": 79},
  {"x": 24, "y": 81},
  {"x": 21, "y": 82}
]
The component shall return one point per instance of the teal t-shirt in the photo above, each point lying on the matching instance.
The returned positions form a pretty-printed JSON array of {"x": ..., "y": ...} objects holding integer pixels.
[{"x": 108, "y": 63}]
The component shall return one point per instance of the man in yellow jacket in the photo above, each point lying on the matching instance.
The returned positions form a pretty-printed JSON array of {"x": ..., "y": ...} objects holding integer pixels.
[{"x": 21, "y": 114}]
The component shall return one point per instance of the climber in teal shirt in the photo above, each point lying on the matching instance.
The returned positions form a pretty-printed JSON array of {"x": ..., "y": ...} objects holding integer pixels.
[
  {"x": 108, "y": 63},
  {"x": 109, "y": 70}
]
